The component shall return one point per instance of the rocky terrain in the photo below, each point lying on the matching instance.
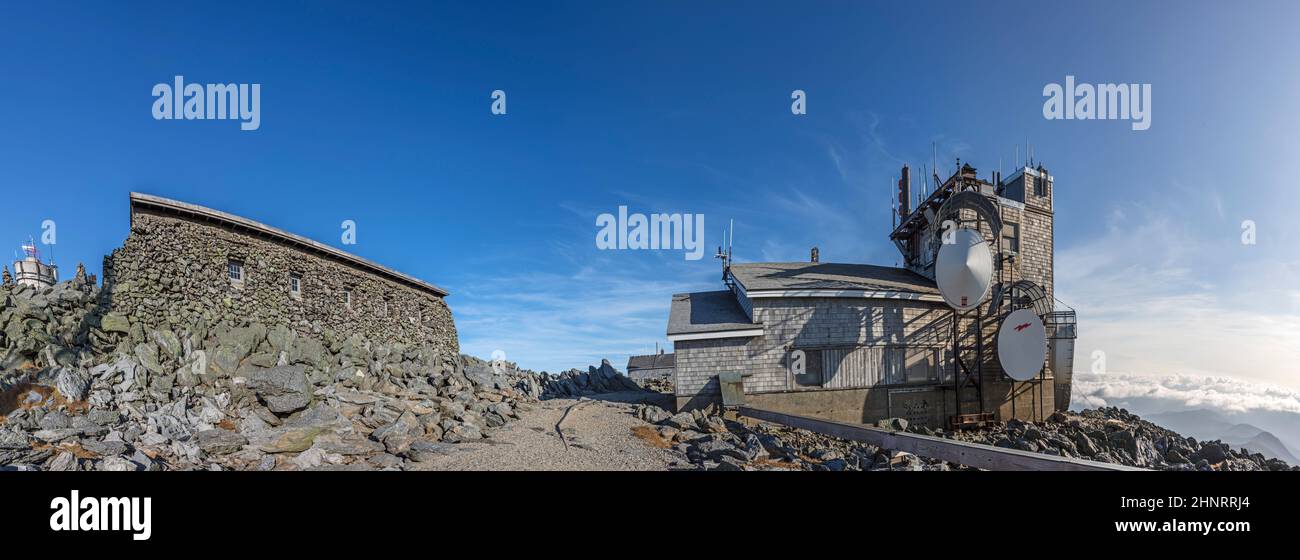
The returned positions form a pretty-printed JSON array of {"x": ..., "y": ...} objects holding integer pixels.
[
  {"x": 82, "y": 388},
  {"x": 1108, "y": 435},
  {"x": 1113, "y": 435},
  {"x": 710, "y": 442},
  {"x": 86, "y": 389}
]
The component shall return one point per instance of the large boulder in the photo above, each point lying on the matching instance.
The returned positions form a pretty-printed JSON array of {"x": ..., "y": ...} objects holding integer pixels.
[
  {"x": 147, "y": 354},
  {"x": 284, "y": 389},
  {"x": 115, "y": 322},
  {"x": 1212, "y": 453}
]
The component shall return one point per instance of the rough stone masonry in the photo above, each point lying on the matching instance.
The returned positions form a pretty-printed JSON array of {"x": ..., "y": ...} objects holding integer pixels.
[{"x": 190, "y": 266}]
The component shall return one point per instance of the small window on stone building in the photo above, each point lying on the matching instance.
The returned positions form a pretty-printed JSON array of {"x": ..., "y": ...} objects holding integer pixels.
[
  {"x": 922, "y": 365},
  {"x": 295, "y": 285},
  {"x": 1011, "y": 237},
  {"x": 236, "y": 270},
  {"x": 384, "y": 310},
  {"x": 812, "y": 369},
  {"x": 1040, "y": 186},
  {"x": 347, "y": 298},
  {"x": 912, "y": 365}
]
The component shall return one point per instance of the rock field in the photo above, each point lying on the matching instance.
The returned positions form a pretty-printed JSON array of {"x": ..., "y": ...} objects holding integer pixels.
[{"x": 82, "y": 388}]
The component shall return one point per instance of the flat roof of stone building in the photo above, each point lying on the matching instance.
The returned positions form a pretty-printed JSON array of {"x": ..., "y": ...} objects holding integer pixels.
[
  {"x": 201, "y": 213},
  {"x": 802, "y": 276},
  {"x": 707, "y": 312}
]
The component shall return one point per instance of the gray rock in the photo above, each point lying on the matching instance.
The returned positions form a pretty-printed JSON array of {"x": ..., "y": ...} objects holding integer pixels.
[
  {"x": 13, "y": 440},
  {"x": 1212, "y": 453},
  {"x": 55, "y": 420},
  {"x": 220, "y": 442},
  {"x": 104, "y": 448},
  {"x": 73, "y": 384},
  {"x": 712, "y": 425},
  {"x": 52, "y": 436},
  {"x": 728, "y": 464},
  {"x": 406, "y": 424},
  {"x": 114, "y": 322},
  {"x": 225, "y": 360},
  {"x": 104, "y": 417},
  {"x": 284, "y": 389},
  {"x": 460, "y": 433},
  {"x": 167, "y": 341},
  {"x": 147, "y": 353},
  {"x": 118, "y": 464},
  {"x": 835, "y": 465},
  {"x": 652, "y": 414},
  {"x": 716, "y": 449},
  {"x": 1085, "y": 445},
  {"x": 64, "y": 461},
  {"x": 337, "y": 445},
  {"x": 682, "y": 421},
  {"x": 281, "y": 338}
]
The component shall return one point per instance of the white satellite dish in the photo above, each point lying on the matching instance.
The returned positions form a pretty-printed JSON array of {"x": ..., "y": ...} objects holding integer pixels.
[
  {"x": 1022, "y": 345},
  {"x": 964, "y": 270}
]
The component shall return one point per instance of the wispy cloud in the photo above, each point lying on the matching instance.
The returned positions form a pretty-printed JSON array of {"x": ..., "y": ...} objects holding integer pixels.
[
  {"x": 1160, "y": 293},
  {"x": 608, "y": 308}
]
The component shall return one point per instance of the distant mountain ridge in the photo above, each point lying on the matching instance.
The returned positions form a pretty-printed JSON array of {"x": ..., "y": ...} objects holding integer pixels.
[{"x": 1210, "y": 425}]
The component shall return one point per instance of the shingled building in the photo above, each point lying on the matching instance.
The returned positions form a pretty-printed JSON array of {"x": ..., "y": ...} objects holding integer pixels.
[{"x": 879, "y": 342}]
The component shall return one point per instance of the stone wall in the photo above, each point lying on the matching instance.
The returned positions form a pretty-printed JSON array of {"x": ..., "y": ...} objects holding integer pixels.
[{"x": 172, "y": 271}]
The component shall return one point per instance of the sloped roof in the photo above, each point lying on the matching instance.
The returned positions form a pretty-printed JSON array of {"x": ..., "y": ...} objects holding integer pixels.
[
  {"x": 707, "y": 312},
  {"x": 757, "y": 277}
]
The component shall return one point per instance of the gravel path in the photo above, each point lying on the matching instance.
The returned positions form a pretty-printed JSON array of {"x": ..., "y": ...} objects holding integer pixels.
[{"x": 597, "y": 436}]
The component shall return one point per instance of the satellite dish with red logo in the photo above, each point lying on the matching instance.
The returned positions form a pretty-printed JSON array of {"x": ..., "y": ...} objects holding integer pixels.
[
  {"x": 1022, "y": 345},
  {"x": 964, "y": 270}
]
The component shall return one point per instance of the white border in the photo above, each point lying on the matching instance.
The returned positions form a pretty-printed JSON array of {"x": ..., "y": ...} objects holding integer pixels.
[{"x": 744, "y": 333}]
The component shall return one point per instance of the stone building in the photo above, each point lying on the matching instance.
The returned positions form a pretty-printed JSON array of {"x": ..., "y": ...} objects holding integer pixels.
[
  {"x": 651, "y": 366},
  {"x": 858, "y": 343},
  {"x": 186, "y": 265}
]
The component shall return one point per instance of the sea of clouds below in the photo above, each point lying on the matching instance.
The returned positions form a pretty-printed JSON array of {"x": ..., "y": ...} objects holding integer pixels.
[{"x": 1182, "y": 391}]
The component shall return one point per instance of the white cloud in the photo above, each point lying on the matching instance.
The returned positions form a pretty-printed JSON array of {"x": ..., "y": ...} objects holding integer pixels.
[
  {"x": 1160, "y": 293},
  {"x": 1190, "y": 391}
]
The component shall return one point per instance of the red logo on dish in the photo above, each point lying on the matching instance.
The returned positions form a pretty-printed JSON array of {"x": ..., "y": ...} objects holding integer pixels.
[{"x": 1022, "y": 327}]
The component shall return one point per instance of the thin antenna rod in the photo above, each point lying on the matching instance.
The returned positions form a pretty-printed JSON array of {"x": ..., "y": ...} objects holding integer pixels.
[
  {"x": 893, "y": 208},
  {"x": 731, "y": 239}
]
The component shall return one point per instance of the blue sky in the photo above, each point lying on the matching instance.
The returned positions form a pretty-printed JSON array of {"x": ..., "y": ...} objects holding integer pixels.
[{"x": 379, "y": 113}]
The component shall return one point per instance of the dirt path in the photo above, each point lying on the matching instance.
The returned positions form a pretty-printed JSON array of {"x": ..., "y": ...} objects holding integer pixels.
[{"x": 597, "y": 436}]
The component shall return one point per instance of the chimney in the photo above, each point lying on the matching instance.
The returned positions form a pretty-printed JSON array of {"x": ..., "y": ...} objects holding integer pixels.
[
  {"x": 816, "y": 255},
  {"x": 905, "y": 193}
]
